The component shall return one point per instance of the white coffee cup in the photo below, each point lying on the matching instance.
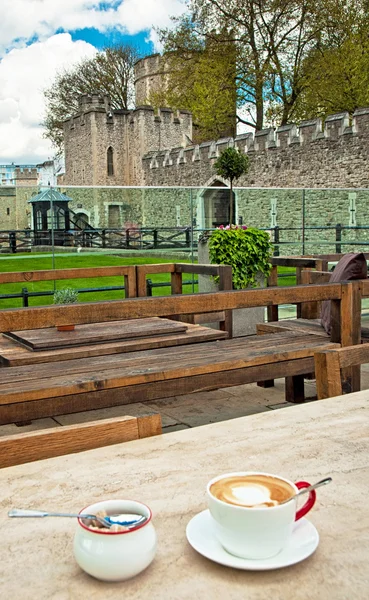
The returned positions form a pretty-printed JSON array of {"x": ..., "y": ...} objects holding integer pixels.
[{"x": 256, "y": 532}]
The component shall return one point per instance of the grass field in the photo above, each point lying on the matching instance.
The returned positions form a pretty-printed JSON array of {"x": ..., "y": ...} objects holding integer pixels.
[{"x": 36, "y": 262}]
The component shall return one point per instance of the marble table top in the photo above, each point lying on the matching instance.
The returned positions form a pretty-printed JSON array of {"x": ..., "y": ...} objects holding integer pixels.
[{"x": 169, "y": 473}]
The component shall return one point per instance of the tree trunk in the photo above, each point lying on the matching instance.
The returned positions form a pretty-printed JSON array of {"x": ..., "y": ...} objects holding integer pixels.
[{"x": 231, "y": 203}]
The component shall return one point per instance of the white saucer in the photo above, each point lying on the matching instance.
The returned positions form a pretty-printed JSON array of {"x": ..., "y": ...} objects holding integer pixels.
[{"x": 200, "y": 534}]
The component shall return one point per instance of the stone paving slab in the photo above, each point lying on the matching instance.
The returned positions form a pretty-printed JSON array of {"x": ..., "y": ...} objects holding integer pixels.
[
  {"x": 35, "y": 425},
  {"x": 130, "y": 410}
]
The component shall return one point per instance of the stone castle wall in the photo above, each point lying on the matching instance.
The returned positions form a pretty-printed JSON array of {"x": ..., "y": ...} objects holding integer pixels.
[
  {"x": 131, "y": 134},
  {"x": 308, "y": 156}
]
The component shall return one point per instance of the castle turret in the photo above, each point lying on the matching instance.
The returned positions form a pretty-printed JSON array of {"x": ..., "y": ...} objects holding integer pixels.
[{"x": 150, "y": 75}]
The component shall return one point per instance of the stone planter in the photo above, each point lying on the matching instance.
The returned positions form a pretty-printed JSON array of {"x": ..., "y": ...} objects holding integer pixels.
[{"x": 244, "y": 319}]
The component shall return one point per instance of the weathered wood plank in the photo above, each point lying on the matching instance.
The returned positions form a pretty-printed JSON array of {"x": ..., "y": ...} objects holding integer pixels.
[
  {"x": 151, "y": 366},
  {"x": 12, "y": 355},
  {"x": 38, "y": 445},
  {"x": 272, "y": 311},
  {"x": 293, "y": 261},
  {"x": 24, "y": 411},
  {"x": 149, "y": 425},
  {"x": 351, "y": 330},
  {"x": 311, "y": 326},
  {"x": 93, "y": 312},
  {"x": 328, "y": 374},
  {"x": 51, "y": 338},
  {"x": 295, "y": 389},
  {"x": 60, "y": 274}
]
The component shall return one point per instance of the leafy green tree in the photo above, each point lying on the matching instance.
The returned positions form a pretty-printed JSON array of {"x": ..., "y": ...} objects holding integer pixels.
[
  {"x": 336, "y": 72},
  {"x": 200, "y": 76},
  {"x": 110, "y": 72},
  {"x": 230, "y": 165},
  {"x": 271, "y": 39}
]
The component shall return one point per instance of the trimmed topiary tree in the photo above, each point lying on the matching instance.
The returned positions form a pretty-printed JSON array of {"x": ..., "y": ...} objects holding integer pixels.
[{"x": 230, "y": 165}]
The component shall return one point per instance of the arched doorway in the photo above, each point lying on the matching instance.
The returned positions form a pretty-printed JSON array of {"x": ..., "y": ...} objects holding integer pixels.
[
  {"x": 81, "y": 220},
  {"x": 217, "y": 205}
]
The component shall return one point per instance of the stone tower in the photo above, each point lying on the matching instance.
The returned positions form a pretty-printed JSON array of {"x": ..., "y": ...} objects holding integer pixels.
[
  {"x": 105, "y": 147},
  {"x": 150, "y": 74}
]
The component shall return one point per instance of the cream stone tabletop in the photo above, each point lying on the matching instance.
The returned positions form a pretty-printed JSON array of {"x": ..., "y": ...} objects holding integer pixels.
[{"x": 170, "y": 473}]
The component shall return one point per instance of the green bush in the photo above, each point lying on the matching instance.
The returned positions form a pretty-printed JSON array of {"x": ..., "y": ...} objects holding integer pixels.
[
  {"x": 246, "y": 250},
  {"x": 65, "y": 296}
]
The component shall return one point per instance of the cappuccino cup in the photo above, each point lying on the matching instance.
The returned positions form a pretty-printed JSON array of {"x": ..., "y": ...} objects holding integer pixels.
[{"x": 254, "y": 513}]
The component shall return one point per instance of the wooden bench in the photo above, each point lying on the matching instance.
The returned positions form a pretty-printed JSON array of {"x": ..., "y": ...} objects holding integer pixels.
[
  {"x": 57, "y": 441},
  {"x": 309, "y": 320},
  {"x": 329, "y": 365},
  {"x": 95, "y": 382}
]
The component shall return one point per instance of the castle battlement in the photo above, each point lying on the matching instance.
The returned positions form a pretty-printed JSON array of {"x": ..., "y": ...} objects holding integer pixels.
[
  {"x": 101, "y": 104},
  {"x": 335, "y": 128}
]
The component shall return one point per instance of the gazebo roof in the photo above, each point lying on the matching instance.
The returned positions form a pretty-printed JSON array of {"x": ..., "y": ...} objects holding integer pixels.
[{"x": 49, "y": 195}]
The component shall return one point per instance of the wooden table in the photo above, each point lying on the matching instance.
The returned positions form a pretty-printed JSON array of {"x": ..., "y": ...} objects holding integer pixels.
[
  {"x": 46, "y": 345},
  {"x": 170, "y": 473},
  {"x": 48, "y": 389}
]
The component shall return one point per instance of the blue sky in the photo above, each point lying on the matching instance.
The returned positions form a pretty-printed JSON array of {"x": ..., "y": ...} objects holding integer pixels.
[
  {"x": 111, "y": 37},
  {"x": 40, "y": 39}
]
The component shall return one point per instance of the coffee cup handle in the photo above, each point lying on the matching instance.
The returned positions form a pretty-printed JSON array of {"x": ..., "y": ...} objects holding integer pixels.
[{"x": 309, "y": 502}]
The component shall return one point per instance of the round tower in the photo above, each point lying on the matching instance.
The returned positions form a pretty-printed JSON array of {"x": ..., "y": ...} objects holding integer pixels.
[{"x": 150, "y": 74}]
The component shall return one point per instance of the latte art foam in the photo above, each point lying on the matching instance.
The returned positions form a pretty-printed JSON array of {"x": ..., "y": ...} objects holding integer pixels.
[{"x": 259, "y": 491}]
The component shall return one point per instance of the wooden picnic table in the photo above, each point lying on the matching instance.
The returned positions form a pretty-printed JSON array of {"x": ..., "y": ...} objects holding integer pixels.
[
  {"x": 44, "y": 389},
  {"x": 169, "y": 473},
  {"x": 34, "y": 346}
]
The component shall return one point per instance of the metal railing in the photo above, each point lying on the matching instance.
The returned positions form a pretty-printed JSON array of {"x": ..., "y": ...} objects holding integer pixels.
[{"x": 175, "y": 238}]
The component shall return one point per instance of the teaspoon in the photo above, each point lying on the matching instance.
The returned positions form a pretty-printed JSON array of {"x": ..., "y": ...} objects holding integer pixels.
[
  {"x": 126, "y": 520},
  {"x": 308, "y": 489}
]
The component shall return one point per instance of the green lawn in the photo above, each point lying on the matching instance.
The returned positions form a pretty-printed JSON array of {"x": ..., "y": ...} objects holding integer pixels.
[{"x": 35, "y": 262}]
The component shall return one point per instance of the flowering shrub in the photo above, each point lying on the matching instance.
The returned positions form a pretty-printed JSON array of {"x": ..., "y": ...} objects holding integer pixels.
[{"x": 246, "y": 249}]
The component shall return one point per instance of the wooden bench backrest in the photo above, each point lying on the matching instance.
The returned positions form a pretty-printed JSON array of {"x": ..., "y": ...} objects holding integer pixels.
[
  {"x": 345, "y": 298},
  {"x": 57, "y": 441},
  {"x": 299, "y": 263},
  {"x": 176, "y": 270},
  {"x": 330, "y": 363},
  {"x": 127, "y": 272}
]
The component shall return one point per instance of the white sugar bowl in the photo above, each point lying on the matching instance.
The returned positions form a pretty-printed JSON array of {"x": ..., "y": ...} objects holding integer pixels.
[{"x": 118, "y": 555}]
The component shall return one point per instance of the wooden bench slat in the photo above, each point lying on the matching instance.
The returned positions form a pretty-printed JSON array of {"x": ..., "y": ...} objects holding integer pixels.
[
  {"x": 137, "y": 308},
  {"x": 204, "y": 352},
  {"x": 154, "y": 367},
  {"x": 11, "y": 355},
  {"x": 51, "y": 338},
  {"x": 38, "y": 445}
]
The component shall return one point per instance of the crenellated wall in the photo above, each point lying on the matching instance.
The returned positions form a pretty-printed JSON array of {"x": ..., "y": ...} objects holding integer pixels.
[
  {"x": 131, "y": 134},
  {"x": 313, "y": 154}
]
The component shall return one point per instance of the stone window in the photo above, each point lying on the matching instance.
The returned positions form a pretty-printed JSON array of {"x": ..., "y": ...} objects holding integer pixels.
[{"x": 110, "y": 161}]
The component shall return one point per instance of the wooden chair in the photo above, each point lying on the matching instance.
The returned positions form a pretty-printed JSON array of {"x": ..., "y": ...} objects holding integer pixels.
[
  {"x": 57, "y": 441},
  {"x": 330, "y": 363}
]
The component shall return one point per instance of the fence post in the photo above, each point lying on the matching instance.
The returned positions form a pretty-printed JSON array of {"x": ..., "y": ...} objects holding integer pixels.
[
  {"x": 25, "y": 297},
  {"x": 276, "y": 240},
  {"x": 155, "y": 237},
  {"x": 188, "y": 238},
  {"x": 148, "y": 287},
  {"x": 127, "y": 238},
  {"x": 338, "y": 238},
  {"x": 12, "y": 242},
  {"x": 103, "y": 238}
]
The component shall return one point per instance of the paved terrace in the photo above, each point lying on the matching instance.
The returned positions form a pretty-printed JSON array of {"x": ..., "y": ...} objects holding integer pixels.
[{"x": 190, "y": 410}]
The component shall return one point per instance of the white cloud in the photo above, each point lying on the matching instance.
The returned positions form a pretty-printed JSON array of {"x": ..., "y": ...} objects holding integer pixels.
[
  {"x": 32, "y": 52},
  {"x": 138, "y": 15},
  {"x": 24, "y": 73},
  {"x": 24, "y": 20}
]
